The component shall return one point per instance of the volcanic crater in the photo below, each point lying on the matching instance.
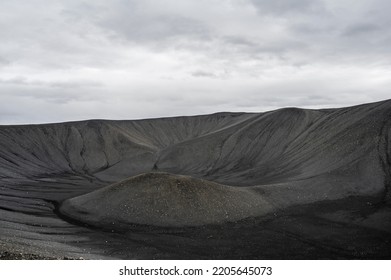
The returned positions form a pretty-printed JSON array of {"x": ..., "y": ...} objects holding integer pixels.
[{"x": 286, "y": 184}]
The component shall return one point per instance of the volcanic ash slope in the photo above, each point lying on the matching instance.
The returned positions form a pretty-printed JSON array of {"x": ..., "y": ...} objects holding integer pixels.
[{"x": 163, "y": 199}]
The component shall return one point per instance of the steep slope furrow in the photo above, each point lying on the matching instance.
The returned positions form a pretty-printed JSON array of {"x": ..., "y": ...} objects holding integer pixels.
[
  {"x": 252, "y": 143},
  {"x": 384, "y": 156}
]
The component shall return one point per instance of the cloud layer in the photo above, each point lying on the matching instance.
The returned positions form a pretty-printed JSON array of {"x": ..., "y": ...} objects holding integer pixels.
[{"x": 125, "y": 59}]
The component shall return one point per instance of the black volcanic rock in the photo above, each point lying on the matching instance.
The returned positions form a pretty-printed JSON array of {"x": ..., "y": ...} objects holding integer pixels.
[
  {"x": 163, "y": 199},
  {"x": 222, "y": 168}
]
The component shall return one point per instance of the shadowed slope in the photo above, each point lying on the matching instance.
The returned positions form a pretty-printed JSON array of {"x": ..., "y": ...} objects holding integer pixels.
[{"x": 163, "y": 199}]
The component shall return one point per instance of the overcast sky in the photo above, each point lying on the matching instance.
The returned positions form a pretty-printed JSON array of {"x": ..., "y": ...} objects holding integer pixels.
[{"x": 64, "y": 60}]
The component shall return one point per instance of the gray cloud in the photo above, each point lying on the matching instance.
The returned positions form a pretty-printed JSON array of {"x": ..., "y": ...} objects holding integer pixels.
[
  {"x": 287, "y": 6},
  {"x": 361, "y": 29},
  {"x": 143, "y": 58},
  {"x": 4, "y": 61},
  {"x": 159, "y": 28},
  {"x": 23, "y": 81},
  {"x": 201, "y": 73}
]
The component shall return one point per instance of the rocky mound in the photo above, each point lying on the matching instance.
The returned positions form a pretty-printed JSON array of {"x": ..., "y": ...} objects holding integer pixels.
[{"x": 163, "y": 199}]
